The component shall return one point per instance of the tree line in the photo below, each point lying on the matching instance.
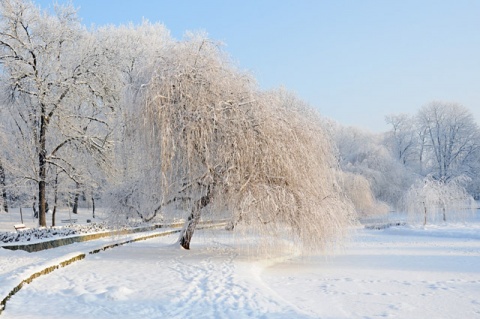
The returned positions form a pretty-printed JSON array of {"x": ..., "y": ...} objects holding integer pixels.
[
  {"x": 162, "y": 129},
  {"x": 426, "y": 162}
]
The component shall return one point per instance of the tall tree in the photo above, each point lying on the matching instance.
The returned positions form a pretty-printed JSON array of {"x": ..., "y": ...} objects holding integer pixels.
[
  {"x": 61, "y": 83},
  {"x": 221, "y": 146},
  {"x": 453, "y": 139},
  {"x": 402, "y": 139}
]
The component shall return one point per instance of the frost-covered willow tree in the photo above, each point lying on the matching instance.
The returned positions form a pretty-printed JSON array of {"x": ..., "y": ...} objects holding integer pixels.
[
  {"x": 260, "y": 159},
  {"x": 432, "y": 199},
  {"x": 358, "y": 190},
  {"x": 61, "y": 86}
]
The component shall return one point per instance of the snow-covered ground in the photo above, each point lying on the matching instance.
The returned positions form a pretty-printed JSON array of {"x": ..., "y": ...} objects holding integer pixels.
[{"x": 399, "y": 272}]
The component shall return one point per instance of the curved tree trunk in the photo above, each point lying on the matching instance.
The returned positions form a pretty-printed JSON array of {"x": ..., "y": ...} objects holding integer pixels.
[{"x": 192, "y": 221}]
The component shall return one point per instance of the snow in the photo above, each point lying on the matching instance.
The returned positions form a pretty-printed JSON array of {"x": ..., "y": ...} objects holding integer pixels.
[
  {"x": 13, "y": 217},
  {"x": 398, "y": 272}
]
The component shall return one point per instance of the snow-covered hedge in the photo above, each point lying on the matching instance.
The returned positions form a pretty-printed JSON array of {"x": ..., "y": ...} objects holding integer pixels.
[{"x": 38, "y": 234}]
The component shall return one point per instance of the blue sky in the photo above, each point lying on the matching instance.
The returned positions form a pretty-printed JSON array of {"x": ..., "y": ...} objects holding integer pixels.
[{"x": 355, "y": 61}]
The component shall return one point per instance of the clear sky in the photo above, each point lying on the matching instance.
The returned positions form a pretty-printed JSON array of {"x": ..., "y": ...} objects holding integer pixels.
[{"x": 355, "y": 61}]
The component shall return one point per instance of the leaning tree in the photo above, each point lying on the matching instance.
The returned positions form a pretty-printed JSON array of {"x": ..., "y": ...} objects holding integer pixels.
[{"x": 221, "y": 146}]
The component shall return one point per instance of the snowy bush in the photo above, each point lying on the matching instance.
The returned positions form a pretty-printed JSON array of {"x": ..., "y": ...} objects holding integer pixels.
[
  {"x": 357, "y": 188},
  {"x": 39, "y": 234}
]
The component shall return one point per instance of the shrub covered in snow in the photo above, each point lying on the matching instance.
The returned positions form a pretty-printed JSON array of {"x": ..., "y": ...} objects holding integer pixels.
[{"x": 39, "y": 234}]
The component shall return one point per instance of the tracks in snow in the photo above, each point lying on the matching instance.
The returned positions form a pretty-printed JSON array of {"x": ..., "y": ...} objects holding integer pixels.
[
  {"x": 215, "y": 283},
  {"x": 156, "y": 280}
]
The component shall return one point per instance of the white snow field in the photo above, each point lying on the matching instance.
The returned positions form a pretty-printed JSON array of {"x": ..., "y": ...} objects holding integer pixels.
[{"x": 399, "y": 272}]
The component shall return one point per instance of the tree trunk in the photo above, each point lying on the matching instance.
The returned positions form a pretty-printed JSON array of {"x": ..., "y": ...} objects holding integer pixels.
[
  {"x": 42, "y": 172},
  {"x": 192, "y": 221},
  {"x": 34, "y": 207},
  {"x": 425, "y": 215},
  {"x": 93, "y": 207},
  {"x": 75, "y": 201},
  {"x": 55, "y": 199},
  {"x": 4, "y": 189},
  {"x": 53, "y": 214},
  {"x": 75, "y": 204}
]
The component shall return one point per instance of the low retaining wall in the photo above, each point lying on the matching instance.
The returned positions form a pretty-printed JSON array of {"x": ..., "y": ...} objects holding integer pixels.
[
  {"x": 385, "y": 225},
  {"x": 57, "y": 242},
  {"x": 34, "y": 247}
]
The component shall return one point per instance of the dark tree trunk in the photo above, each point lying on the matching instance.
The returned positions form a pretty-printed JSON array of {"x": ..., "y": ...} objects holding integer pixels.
[
  {"x": 4, "y": 188},
  {"x": 53, "y": 214},
  {"x": 425, "y": 214},
  {"x": 93, "y": 207},
  {"x": 42, "y": 172},
  {"x": 55, "y": 200},
  {"x": 34, "y": 207},
  {"x": 75, "y": 204},
  {"x": 192, "y": 221},
  {"x": 75, "y": 200}
]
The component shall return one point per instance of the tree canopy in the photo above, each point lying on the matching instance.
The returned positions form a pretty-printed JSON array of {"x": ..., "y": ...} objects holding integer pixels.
[{"x": 260, "y": 158}]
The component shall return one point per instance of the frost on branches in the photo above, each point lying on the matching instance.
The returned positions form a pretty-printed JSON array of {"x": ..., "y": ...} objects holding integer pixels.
[
  {"x": 261, "y": 159},
  {"x": 61, "y": 93},
  {"x": 431, "y": 200}
]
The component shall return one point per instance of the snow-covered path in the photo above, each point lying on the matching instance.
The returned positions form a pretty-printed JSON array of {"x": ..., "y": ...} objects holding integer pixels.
[
  {"x": 394, "y": 273},
  {"x": 154, "y": 279}
]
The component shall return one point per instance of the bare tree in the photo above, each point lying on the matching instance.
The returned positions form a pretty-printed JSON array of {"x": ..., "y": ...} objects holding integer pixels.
[
  {"x": 402, "y": 139},
  {"x": 61, "y": 82},
  {"x": 442, "y": 141},
  {"x": 221, "y": 146},
  {"x": 453, "y": 139}
]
